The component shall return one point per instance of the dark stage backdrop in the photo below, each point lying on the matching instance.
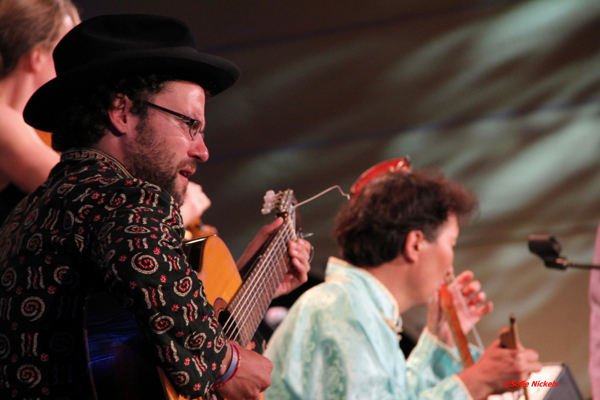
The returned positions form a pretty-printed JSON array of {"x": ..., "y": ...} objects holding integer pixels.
[{"x": 503, "y": 96}]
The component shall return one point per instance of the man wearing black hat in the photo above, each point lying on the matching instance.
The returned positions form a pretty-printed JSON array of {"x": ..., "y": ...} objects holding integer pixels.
[{"x": 127, "y": 111}]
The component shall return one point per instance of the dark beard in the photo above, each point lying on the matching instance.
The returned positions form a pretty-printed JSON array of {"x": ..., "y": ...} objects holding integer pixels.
[{"x": 148, "y": 160}]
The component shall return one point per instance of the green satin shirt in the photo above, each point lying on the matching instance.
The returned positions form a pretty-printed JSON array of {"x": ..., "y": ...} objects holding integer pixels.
[{"x": 338, "y": 342}]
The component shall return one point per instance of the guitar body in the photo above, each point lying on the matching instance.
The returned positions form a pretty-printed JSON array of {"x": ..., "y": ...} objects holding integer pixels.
[
  {"x": 217, "y": 269},
  {"x": 119, "y": 363},
  {"x": 220, "y": 276}
]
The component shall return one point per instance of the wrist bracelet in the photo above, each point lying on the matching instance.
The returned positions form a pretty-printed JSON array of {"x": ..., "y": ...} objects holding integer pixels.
[{"x": 233, "y": 367}]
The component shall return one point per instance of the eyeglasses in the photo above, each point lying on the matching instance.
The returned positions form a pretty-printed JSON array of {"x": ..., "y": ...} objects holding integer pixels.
[{"x": 194, "y": 124}]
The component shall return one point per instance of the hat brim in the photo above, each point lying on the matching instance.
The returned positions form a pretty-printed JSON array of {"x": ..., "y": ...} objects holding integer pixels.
[{"x": 213, "y": 73}]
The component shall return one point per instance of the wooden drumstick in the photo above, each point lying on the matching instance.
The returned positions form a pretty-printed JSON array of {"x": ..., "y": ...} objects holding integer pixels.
[{"x": 509, "y": 339}]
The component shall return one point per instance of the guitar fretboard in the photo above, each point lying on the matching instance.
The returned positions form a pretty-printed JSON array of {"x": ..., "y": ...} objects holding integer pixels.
[{"x": 252, "y": 300}]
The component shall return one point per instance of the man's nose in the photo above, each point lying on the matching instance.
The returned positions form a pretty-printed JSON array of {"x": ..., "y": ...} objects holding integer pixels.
[{"x": 198, "y": 149}]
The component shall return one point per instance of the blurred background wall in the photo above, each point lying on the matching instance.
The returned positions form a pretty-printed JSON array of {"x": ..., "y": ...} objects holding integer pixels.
[{"x": 503, "y": 96}]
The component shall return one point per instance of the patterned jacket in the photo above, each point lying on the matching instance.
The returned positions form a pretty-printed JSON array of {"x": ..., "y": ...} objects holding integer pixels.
[{"x": 92, "y": 223}]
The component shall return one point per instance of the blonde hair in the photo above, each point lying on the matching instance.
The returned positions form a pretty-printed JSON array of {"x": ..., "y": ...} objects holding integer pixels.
[{"x": 27, "y": 23}]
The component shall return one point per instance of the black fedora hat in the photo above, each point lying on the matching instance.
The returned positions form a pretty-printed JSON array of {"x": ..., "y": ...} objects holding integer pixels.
[{"x": 115, "y": 46}]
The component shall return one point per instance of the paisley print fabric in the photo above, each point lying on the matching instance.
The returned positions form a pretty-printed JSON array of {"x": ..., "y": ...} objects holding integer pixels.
[
  {"x": 335, "y": 344},
  {"x": 92, "y": 223}
]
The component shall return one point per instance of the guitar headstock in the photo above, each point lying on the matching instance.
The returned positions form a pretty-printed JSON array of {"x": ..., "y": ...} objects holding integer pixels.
[{"x": 281, "y": 202}]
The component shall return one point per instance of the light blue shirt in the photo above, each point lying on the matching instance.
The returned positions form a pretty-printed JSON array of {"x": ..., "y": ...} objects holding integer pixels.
[{"x": 338, "y": 342}]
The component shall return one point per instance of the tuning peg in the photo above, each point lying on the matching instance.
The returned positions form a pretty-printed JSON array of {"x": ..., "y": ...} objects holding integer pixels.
[
  {"x": 266, "y": 210},
  {"x": 268, "y": 204},
  {"x": 270, "y": 195}
]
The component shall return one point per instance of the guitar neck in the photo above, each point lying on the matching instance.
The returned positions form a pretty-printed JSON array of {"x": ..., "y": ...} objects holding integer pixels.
[{"x": 252, "y": 300}]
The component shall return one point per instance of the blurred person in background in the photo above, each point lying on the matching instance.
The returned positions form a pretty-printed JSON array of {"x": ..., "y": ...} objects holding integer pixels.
[{"x": 29, "y": 31}]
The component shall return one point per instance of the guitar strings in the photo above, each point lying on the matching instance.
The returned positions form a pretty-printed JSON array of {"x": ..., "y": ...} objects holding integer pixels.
[
  {"x": 244, "y": 308},
  {"x": 229, "y": 325},
  {"x": 246, "y": 295},
  {"x": 259, "y": 278},
  {"x": 257, "y": 282},
  {"x": 283, "y": 260}
]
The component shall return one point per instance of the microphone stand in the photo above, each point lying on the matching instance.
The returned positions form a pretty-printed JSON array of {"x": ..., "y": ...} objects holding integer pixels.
[
  {"x": 562, "y": 264},
  {"x": 548, "y": 248}
]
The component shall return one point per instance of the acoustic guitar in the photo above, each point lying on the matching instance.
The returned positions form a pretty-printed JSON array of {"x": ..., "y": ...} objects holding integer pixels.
[{"x": 121, "y": 363}]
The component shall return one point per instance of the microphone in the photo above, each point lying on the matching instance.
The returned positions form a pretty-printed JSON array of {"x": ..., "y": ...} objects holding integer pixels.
[{"x": 548, "y": 248}]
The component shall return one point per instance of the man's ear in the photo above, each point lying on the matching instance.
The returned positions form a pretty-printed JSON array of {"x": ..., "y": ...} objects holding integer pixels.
[
  {"x": 413, "y": 245},
  {"x": 119, "y": 115}
]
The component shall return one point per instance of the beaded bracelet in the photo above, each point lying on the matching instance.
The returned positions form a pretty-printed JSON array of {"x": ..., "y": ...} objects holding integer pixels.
[{"x": 233, "y": 367}]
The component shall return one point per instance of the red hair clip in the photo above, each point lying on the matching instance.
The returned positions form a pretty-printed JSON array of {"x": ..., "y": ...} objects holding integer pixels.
[{"x": 396, "y": 164}]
